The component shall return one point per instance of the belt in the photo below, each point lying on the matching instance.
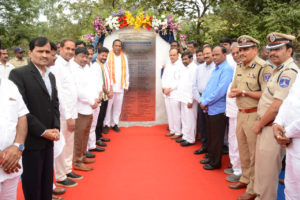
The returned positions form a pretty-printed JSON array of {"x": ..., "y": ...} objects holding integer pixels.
[{"x": 250, "y": 110}]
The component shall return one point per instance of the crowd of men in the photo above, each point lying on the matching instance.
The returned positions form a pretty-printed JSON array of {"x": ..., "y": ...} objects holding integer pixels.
[
  {"x": 234, "y": 95},
  {"x": 55, "y": 109},
  {"x": 53, "y": 112}
]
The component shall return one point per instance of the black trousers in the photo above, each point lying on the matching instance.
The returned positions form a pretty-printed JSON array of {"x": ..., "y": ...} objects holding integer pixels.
[
  {"x": 37, "y": 177},
  {"x": 101, "y": 116},
  {"x": 216, "y": 125},
  {"x": 201, "y": 126}
]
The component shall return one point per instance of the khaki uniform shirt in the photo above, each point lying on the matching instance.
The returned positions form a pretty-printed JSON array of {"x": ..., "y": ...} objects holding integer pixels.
[
  {"x": 253, "y": 77},
  {"x": 18, "y": 63},
  {"x": 278, "y": 86}
]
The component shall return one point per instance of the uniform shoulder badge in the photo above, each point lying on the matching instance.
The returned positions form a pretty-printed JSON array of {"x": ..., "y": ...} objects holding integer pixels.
[
  {"x": 284, "y": 81},
  {"x": 267, "y": 77}
]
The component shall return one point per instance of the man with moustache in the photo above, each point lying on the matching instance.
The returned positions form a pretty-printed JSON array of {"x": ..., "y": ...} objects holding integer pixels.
[
  {"x": 38, "y": 89},
  {"x": 67, "y": 95},
  {"x": 118, "y": 66},
  {"x": 5, "y": 66},
  {"x": 87, "y": 101},
  {"x": 250, "y": 79},
  {"x": 192, "y": 47},
  {"x": 269, "y": 154},
  {"x": 188, "y": 106},
  {"x": 170, "y": 82},
  {"x": 213, "y": 100},
  {"x": 200, "y": 57},
  {"x": 100, "y": 68},
  {"x": 201, "y": 78}
]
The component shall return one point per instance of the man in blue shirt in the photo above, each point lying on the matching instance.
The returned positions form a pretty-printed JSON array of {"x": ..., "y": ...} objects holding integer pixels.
[{"x": 213, "y": 101}]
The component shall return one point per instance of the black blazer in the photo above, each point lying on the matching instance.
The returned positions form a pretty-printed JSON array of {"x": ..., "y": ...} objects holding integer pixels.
[{"x": 43, "y": 110}]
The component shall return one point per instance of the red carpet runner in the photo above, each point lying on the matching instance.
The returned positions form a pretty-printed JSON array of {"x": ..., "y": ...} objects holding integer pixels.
[{"x": 140, "y": 163}]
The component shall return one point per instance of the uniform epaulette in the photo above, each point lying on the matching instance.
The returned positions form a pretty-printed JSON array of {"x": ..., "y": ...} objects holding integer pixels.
[{"x": 260, "y": 61}]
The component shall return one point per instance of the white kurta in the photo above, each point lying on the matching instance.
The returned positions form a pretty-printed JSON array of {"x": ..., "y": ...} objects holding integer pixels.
[
  {"x": 170, "y": 80},
  {"x": 12, "y": 107},
  {"x": 114, "y": 106},
  {"x": 185, "y": 96},
  {"x": 288, "y": 117},
  {"x": 5, "y": 70}
]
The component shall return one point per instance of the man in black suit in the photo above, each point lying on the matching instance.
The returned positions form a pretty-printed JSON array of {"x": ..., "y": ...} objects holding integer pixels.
[{"x": 38, "y": 89}]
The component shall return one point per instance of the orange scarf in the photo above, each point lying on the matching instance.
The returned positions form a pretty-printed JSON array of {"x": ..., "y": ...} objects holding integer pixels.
[{"x": 111, "y": 67}]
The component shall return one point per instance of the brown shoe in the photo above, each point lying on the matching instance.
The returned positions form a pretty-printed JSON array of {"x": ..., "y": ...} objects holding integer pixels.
[
  {"x": 169, "y": 134},
  {"x": 176, "y": 137},
  {"x": 238, "y": 185},
  {"x": 89, "y": 160},
  {"x": 247, "y": 196},
  {"x": 59, "y": 191},
  {"x": 83, "y": 167}
]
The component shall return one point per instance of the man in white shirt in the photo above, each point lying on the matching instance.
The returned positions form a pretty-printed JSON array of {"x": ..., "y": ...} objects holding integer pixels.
[
  {"x": 101, "y": 67},
  {"x": 87, "y": 101},
  {"x": 67, "y": 95},
  {"x": 188, "y": 105},
  {"x": 118, "y": 66},
  {"x": 5, "y": 67},
  {"x": 231, "y": 112},
  {"x": 13, "y": 129},
  {"x": 170, "y": 82},
  {"x": 226, "y": 42},
  {"x": 286, "y": 128},
  {"x": 192, "y": 47},
  {"x": 202, "y": 76}
]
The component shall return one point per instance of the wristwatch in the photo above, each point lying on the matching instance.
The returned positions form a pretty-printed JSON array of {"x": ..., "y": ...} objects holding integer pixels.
[{"x": 21, "y": 147}]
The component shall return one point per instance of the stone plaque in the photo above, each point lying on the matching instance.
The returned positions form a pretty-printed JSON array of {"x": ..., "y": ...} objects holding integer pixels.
[{"x": 139, "y": 101}]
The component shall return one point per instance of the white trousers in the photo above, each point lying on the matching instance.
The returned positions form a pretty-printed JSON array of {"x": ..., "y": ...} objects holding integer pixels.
[
  {"x": 63, "y": 163},
  {"x": 173, "y": 113},
  {"x": 8, "y": 189},
  {"x": 189, "y": 121},
  {"x": 114, "y": 108},
  {"x": 92, "y": 136},
  {"x": 292, "y": 175},
  {"x": 233, "y": 147}
]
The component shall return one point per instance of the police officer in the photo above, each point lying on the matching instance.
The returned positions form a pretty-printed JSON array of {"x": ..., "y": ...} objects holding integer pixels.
[
  {"x": 249, "y": 81},
  {"x": 268, "y": 152}
]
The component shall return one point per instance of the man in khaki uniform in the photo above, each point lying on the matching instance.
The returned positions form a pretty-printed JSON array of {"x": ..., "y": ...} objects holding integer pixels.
[
  {"x": 19, "y": 60},
  {"x": 249, "y": 81},
  {"x": 268, "y": 152}
]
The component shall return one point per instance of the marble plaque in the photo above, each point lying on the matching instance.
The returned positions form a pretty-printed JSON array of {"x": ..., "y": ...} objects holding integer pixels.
[{"x": 139, "y": 100}]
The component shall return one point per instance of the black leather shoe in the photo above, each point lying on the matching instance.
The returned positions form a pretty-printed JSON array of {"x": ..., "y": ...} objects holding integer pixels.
[
  {"x": 105, "y": 139},
  {"x": 209, "y": 167},
  {"x": 90, "y": 155},
  {"x": 67, "y": 183},
  {"x": 98, "y": 149},
  {"x": 206, "y": 161},
  {"x": 105, "y": 129},
  {"x": 74, "y": 176},
  {"x": 185, "y": 143},
  {"x": 116, "y": 128},
  {"x": 201, "y": 151},
  {"x": 101, "y": 143},
  {"x": 206, "y": 155},
  {"x": 179, "y": 140}
]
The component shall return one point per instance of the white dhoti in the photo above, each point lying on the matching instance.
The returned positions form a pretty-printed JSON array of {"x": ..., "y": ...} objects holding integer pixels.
[
  {"x": 292, "y": 175},
  {"x": 114, "y": 109},
  {"x": 233, "y": 147},
  {"x": 63, "y": 163},
  {"x": 173, "y": 113},
  {"x": 92, "y": 136},
  {"x": 8, "y": 188},
  {"x": 188, "y": 121}
]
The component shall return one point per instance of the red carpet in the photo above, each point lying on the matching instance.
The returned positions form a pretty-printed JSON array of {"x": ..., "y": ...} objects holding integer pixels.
[{"x": 140, "y": 163}]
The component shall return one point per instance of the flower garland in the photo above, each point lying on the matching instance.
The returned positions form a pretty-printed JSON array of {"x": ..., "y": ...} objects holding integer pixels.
[{"x": 142, "y": 20}]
